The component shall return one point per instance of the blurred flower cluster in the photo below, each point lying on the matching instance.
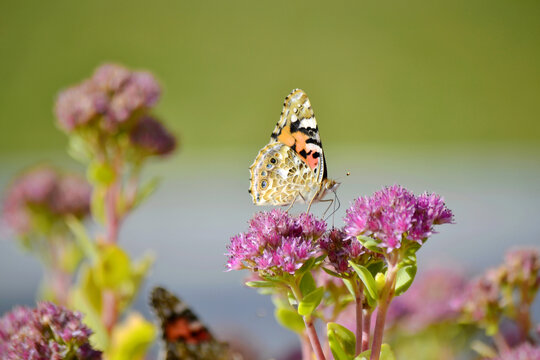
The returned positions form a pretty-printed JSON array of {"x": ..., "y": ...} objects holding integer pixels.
[
  {"x": 41, "y": 196},
  {"x": 43, "y": 333},
  {"x": 112, "y": 103},
  {"x": 110, "y": 128},
  {"x": 502, "y": 298}
]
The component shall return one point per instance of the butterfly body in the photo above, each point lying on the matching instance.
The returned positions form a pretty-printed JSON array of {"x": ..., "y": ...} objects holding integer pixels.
[
  {"x": 185, "y": 337},
  {"x": 292, "y": 167}
]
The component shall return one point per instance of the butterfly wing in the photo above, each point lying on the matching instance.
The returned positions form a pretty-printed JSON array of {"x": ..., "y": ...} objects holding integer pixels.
[
  {"x": 291, "y": 167},
  {"x": 185, "y": 337},
  {"x": 280, "y": 177},
  {"x": 297, "y": 128}
]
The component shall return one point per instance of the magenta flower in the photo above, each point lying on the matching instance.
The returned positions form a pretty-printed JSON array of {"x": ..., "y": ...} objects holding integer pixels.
[
  {"x": 340, "y": 248},
  {"x": 393, "y": 214},
  {"x": 46, "y": 332},
  {"x": 150, "y": 136},
  {"x": 43, "y": 189},
  {"x": 275, "y": 243}
]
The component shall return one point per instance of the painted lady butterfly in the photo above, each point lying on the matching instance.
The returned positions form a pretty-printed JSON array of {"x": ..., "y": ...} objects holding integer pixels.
[
  {"x": 292, "y": 166},
  {"x": 185, "y": 337}
]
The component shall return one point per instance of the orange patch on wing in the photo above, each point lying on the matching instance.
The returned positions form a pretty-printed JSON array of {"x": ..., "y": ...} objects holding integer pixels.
[
  {"x": 180, "y": 329},
  {"x": 298, "y": 140},
  {"x": 285, "y": 137}
]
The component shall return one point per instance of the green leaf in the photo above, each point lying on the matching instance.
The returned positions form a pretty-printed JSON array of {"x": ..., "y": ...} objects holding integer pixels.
[
  {"x": 307, "y": 284},
  {"x": 100, "y": 173},
  {"x": 386, "y": 354},
  {"x": 332, "y": 273},
  {"x": 310, "y": 302},
  {"x": 349, "y": 285},
  {"x": 367, "y": 279},
  {"x": 483, "y": 349},
  {"x": 376, "y": 267},
  {"x": 87, "y": 246},
  {"x": 132, "y": 338},
  {"x": 404, "y": 278},
  {"x": 113, "y": 267},
  {"x": 290, "y": 319},
  {"x": 91, "y": 318},
  {"x": 344, "y": 337},
  {"x": 79, "y": 149},
  {"x": 370, "y": 244},
  {"x": 146, "y": 191},
  {"x": 261, "y": 284}
]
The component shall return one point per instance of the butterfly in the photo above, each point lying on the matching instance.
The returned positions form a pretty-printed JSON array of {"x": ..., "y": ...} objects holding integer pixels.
[
  {"x": 292, "y": 166},
  {"x": 185, "y": 337}
]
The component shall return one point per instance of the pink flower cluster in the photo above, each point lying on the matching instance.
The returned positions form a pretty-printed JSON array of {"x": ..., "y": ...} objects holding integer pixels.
[
  {"x": 394, "y": 213},
  {"x": 275, "y": 243},
  {"x": 44, "y": 333},
  {"x": 116, "y": 99},
  {"x": 45, "y": 189},
  {"x": 113, "y": 93}
]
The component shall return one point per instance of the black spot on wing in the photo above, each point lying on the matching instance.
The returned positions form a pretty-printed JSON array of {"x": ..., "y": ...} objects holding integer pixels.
[{"x": 303, "y": 153}]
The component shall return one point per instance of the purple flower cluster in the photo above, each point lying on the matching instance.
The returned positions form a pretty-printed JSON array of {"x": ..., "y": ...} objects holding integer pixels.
[
  {"x": 46, "y": 332},
  {"x": 428, "y": 301},
  {"x": 394, "y": 213},
  {"x": 524, "y": 351},
  {"x": 340, "y": 248},
  {"x": 113, "y": 94},
  {"x": 275, "y": 243},
  {"x": 150, "y": 136},
  {"x": 45, "y": 189}
]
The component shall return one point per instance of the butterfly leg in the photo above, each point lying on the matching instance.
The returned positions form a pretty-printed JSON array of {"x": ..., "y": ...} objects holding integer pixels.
[
  {"x": 331, "y": 201},
  {"x": 294, "y": 200}
]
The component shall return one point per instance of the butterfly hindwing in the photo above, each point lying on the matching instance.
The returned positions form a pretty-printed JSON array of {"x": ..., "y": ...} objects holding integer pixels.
[
  {"x": 185, "y": 337},
  {"x": 278, "y": 176}
]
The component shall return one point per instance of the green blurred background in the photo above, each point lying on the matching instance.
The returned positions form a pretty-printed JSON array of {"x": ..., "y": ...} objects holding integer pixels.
[
  {"x": 434, "y": 95},
  {"x": 383, "y": 72}
]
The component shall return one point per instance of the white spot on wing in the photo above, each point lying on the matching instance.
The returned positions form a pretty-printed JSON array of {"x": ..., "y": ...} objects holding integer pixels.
[{"x": 310, "y": 123}]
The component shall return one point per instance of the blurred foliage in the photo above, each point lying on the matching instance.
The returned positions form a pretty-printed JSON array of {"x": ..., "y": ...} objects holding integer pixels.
[{"x": 380, "y": 71}]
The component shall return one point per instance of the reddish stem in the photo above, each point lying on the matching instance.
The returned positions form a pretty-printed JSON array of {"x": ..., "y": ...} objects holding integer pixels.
[
  {"x": 366, "y": 329},
  {"x": 314, "y": 339},
  {"x": 306, "y": 348},
  {"x": 359, "y": 320},
  {"x": 110, "y": 310},
  {"x": 500, "y": 342}
]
